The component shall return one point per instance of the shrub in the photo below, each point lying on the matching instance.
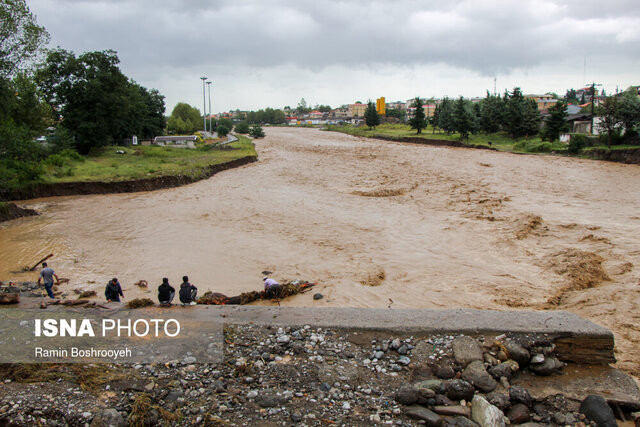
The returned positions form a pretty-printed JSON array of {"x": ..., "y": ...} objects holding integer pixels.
[
  {"x": 577, "y": 142},
  {"x": 242, "y": 127},
  {"x": 223, "y": 130},
  {"x": 256, "y": 132},
  {"x": 56, "y": 160}
]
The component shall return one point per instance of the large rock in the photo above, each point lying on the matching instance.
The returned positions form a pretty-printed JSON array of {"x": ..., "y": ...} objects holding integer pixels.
[
  {"x": 485, "y": 413},
  {"x": 461, "y": 422},
  {"x": 407, "y": 395},
  {"x": 500, "y": 400},
  {"x": 518, "y": 352},
  {"x": 430, "y": 418},
  {"x": 108, "y": 418},
  {"x": 460, "y": 390},
  {"x": 548, "y": 367},
  {"x": 466, "y": 350},
  {"x": 455, "y": 410},
  {"x": 477, "y": 375},
  {"x": 597, "y": 409},
  {"x": 501, "y": 370},
  {"x": 518, "y": 414},
  {"x": 9, "y": 298},
  {"x": 519, "y": 394}
]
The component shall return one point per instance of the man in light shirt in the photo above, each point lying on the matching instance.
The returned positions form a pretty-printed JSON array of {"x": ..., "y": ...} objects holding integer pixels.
[
  {"x": 271, "y": 288},
  {"x": 47, "y": 274}
]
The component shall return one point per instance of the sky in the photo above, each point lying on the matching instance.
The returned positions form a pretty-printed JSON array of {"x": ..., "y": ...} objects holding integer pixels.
[{"x": 260, "y": 54}]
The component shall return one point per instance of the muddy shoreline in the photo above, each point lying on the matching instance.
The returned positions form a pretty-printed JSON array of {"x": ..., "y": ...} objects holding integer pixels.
[
  {"x": 39, "y": 190},
  {"x": 13, "y": 211}
]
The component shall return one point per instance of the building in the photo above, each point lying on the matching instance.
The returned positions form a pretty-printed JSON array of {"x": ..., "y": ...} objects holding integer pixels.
[
  {"x": 429, "y": 110},
  {"x": 544, "y": 102},
  {"x": 181, "y": 141},
  {"x": 356, "y": 110}
]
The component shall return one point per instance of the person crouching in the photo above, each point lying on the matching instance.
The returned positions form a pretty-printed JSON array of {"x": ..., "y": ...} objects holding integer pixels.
[
  {"x": 271, "y": 288},
  {"x": 188, "y": 292},
  {"x": 166, "y": 292}
]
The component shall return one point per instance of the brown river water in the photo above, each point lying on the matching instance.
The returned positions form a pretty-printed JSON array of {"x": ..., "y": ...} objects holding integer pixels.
[{"x": 375, "y": 223}]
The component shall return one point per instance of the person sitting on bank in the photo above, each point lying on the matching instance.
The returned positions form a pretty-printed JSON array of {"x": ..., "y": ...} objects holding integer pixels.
[
  {"x": 113, "y": 291},
  {"x": 166, "y": 292},
  {"x": 47, "y": 274},
  {"x": 188, "y": 292},
  {"x": 271, "y": 288}
]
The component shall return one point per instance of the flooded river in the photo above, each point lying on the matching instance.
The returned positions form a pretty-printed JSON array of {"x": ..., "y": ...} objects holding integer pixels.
[{"x": 375, "y": 223}]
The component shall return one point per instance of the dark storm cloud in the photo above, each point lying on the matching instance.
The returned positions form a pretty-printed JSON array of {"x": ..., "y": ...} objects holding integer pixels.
[{"x": 485, "y": 36}]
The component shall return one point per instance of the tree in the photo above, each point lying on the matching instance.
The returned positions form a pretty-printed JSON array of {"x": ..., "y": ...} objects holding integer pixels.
[
  {"x": 371, "y": 117},
  {"x": 98, "y": 105},
  {"x": 514, "y": 114},
  {"x": 223, "y": 130},
  {"x": 530, "y": 118},
  {"x": 571, "y": 97},
  {"x": 445, "y": 115},
  {"x": 462, "y": 118},
  {"x": 556, "y": 122},
  {"x": 302, "y": 107},
  {"x": 418, "y": 121},
  {"x": 242, "y": 127},
  {"x": 396, "y": 113},
  {"x": 256, "y": 132},
  {"x": 629, "y": 113},
  {"x": 184, "y": 119},
  {"x": 610, "y": 122},
  {"x": 21, "y": 38},
  {"x": 491, "y": 111},
  {"x": 226, "y": 122}
]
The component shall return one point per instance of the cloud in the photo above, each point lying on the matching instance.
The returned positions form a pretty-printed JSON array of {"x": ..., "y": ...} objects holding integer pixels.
[{"x": 164, "y": 40}]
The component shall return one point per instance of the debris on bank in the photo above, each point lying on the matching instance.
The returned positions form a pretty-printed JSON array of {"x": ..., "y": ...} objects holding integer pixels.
[{"x": 286, "y": 290}]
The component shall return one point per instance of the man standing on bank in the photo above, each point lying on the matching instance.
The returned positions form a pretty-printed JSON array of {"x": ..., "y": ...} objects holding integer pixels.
[
  {"x": 113, "y": 291},
  {"x": 47, "y": 274}
]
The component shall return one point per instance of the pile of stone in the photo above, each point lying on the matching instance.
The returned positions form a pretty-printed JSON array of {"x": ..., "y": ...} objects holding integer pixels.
[
  {"x": 316, "y": 376},
  {"x": 472, "y": 387}
]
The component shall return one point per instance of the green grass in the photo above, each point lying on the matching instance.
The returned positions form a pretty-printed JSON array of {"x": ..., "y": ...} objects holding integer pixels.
[
  {"x": 144, "y": 162},
  {"x": 499, "y": 141}
]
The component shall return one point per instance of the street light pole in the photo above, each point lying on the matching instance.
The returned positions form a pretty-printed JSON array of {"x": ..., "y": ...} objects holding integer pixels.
[
  {"x": 204, "y": 105},
  {"x": 210, "y": 113}
]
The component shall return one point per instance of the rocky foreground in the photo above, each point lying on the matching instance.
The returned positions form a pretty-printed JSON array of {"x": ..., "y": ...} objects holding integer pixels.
[{"x": 308, "y": 376}]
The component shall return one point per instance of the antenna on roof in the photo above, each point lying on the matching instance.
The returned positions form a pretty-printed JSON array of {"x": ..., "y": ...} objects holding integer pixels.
[
  {"x": 584, "y": 70},
  {"x": 494, "y": 87}
]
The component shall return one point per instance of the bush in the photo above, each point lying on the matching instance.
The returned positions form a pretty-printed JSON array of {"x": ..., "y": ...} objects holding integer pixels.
[
  {"x": 223, "y": 130},
  {"x": 72, "y": 154},
  {"x": 577, "y": 142},
  {"x": 242, "y": 127},
  {"x": 256, "y": 132},
  {"x": 56, "y": 160}
]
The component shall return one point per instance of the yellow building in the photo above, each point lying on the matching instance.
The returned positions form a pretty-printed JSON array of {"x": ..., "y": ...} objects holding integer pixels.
[
  {"x": 544, "y": 102},
  {"x": 357, "y": 110}
]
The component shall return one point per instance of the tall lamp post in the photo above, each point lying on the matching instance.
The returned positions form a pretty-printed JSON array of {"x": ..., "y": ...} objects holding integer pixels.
[
  {"x": 204, "y": 106},
  {"x": 210, "y": 112}
]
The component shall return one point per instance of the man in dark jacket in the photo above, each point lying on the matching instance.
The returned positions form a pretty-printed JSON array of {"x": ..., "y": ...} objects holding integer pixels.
[
  {"x": 166, "y": 293},
  {"x": 188, "y": 292},
  {"x": 113, "y": 291}
]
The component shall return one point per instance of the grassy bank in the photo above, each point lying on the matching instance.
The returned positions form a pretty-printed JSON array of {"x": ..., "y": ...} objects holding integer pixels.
[
  {"x": 499, "y": 141},
  {"x": 141, "y": 162}
]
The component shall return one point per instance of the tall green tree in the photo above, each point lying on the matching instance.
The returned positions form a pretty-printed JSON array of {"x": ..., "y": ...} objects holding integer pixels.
[
  {"x": 445, "y": 115},
  {"x": 21, "y": 38},
  {"x": 530, "y": 118},
  {"x": 556, "y": 122},
  {"x": 610, "y": 120},
  {"x": 184, "y": 119},
  {"x": 371, "y": 117},
  {"x": 491, "y": 112},
  {"x": 514, "y": 113},
  {"x": 95, "y": 101},
  {"x": 418, "y": 121},
  {"x": 463, "y": 122},
  {"x": 629, "y": 113}
]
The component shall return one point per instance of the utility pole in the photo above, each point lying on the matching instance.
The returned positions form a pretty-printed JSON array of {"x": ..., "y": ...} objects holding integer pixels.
[
  {"x": 204, "y": 105},
  {"x": 210, "y": 113}
]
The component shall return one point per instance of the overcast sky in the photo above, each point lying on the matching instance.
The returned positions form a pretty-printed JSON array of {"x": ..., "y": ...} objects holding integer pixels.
[{"x": 273, "y": 53}]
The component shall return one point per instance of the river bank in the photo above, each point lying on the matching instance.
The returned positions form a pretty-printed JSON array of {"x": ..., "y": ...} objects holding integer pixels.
[
  {"x": 313, "y": 375},
  {"x": 496, "y": 142}
]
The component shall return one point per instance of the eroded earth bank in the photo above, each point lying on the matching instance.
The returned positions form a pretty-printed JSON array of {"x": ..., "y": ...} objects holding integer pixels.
[{"x": 375, "y": 223}]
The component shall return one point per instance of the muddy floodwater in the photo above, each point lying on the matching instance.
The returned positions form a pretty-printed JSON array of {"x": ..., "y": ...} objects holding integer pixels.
[{"x": 375, "y": 223}]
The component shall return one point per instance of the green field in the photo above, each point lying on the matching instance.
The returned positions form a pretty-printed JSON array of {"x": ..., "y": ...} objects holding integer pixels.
[
  {"x": 141, "y": 162},
  {"x": 499, "y": 140}
]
